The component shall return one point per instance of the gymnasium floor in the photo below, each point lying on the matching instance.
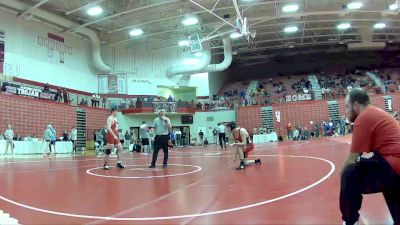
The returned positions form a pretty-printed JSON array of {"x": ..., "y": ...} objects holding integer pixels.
[{"x": 297, "y": 183}]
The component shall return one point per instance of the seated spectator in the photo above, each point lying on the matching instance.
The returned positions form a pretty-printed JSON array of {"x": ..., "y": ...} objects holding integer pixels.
[
  {"x": 136, "y": 147},
  {"x": 65, "y": 136}
]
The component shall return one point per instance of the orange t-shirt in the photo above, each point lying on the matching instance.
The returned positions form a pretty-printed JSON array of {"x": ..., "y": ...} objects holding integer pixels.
[{"x": 377, "y": 131}]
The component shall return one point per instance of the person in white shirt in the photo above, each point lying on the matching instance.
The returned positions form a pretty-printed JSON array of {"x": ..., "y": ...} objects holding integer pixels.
[
  {"x": 9, "y": 135},
  {"x": 178, "y": 137},
  {"x": 162, "y": 125},
  {"x": 97, "y": 102},
  {"x": 93, "y": 100},
  {"x": 222, "y": 135},
  {"x": 296, "y": 134},
  {"x": 145, "y": 137},
  {"x": 74, "y": 137}
]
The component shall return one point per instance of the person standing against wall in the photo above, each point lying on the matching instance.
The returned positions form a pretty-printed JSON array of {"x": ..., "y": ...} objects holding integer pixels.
[
  {"x": 201, "y": 136},
  {"x": 178, "y": 137},
  {"x": 161, "y": 126},
  {"x": 9, "y": 136},
  {"x": 74, "y": 137},
  {"x": 127, "y": 139}
]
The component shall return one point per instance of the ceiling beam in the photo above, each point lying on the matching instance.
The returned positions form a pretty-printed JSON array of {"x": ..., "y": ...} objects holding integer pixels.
[
  {"x": 37, "y": 5},
  {"x": 192, "y": 13},
  {"x": 84, "y": 6},
  {"x": 268, "y": 25},
  {"x": 164, "y": 2}
]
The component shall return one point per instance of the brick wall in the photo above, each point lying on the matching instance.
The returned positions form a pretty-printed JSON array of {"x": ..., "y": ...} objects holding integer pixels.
[
  {"x": 95, "y": 119},
  {"x": 302, "y": 112},
  {"x": 249, "y": 117},
  {"x": 396, "y": 101},
  {"x": 376, "y": 100},
  {"x": 31, "y": 116}
]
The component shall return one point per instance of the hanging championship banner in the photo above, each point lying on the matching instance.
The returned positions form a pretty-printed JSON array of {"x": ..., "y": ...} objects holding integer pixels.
[
  {"x": 2, "y": 50},
  {"x": 112, "y": 84}
]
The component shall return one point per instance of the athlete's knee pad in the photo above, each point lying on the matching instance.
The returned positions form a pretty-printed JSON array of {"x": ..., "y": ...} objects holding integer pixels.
[{"x": 108, "y": 151}]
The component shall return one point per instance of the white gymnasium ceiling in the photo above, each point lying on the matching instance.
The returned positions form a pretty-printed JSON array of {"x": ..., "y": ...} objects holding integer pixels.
[{"x": 160, "y": 21}]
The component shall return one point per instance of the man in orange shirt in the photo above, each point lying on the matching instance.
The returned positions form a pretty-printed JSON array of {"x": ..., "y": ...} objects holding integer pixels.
[{"x": 373, "y": 164}]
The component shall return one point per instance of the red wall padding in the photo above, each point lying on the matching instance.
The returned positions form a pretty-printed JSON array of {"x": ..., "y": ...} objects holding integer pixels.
[{"x": 31, "y": 116}]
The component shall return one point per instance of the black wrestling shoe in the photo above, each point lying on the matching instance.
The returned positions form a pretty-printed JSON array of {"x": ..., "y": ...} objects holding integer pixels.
[
  {"x": 242, "y": 166},
  {"x": 105, "y": 167},
  {"x": 152, "y": 166},
  {"x": 258, "y": 161},
  {"x": 164, "y": 166},
  {"x": 119, "y": 165}
]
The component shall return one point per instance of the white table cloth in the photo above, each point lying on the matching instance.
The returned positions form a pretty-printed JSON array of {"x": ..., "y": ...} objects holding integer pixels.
[
  {"x": 35, "y": 147},
  {"x": 264, "y": 138}
]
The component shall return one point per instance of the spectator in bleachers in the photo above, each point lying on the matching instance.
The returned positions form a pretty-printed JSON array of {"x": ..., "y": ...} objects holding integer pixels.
[
  {"x": 59, "y": 95},
  {"x": 66, "y": 96},
  {"x": 93, "y": 100},
  {"x": 46, "y": 87},
  {"x": 97, "y": 100},
  {"x": 83, "y": 102},
  {"x": 104, "y": 101},
  {"x": 9, "y": 137}
]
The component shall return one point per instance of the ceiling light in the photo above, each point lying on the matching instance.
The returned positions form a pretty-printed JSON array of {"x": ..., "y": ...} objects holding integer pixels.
[
  {"x": 290, "y": 29},
  {"x": 354, "y": 5},
  {"x": 343, "y": 26},
  {"x": 393, "y": 6},
  {"x": 95, "y": 11},
  {"x": 290, "y": 8},
  {"x": 184, "y": 43},
  {"x": 136, "y": 32},
  {"x": 190, "y": 21},
  {"x": 379, "y": 25},
  {"x": 235, "y": 35}
]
